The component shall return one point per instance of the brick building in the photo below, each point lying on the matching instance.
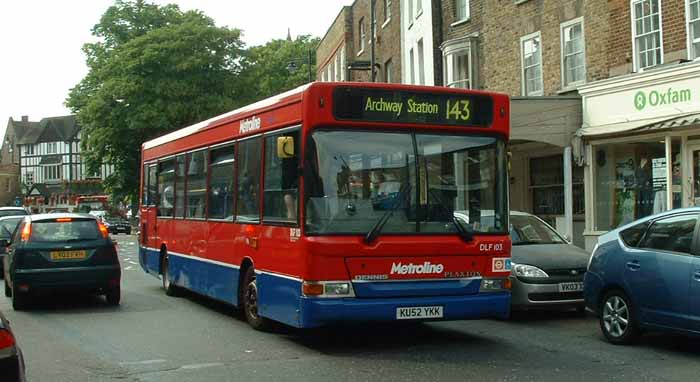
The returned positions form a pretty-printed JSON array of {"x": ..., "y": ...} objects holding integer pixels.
[{"x": 344, "y": 52}]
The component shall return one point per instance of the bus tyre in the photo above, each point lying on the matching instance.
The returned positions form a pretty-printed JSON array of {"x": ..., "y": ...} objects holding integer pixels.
[
  {"x": 170, "y": 288},
  {"x": 8, "y": 291},
  {"x": 250, "y": 302},
  {"x": 113, "y": 296}
]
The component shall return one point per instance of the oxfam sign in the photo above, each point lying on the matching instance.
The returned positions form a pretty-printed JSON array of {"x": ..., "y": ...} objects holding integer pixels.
[{"x": 645, "y": 99}]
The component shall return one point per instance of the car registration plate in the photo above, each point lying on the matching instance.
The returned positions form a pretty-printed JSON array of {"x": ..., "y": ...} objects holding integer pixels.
[
  {"x": 570, "y": 287},
  {"x": 418, "y": 312},
  {"x": 68, "y": 255}
]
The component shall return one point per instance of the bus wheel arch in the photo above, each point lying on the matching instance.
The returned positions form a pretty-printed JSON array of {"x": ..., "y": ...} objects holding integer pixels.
[
  {"x": 245, "y": 264},
  {"x": 170, "y": 288},
  {"x": 249, "y": 302}
]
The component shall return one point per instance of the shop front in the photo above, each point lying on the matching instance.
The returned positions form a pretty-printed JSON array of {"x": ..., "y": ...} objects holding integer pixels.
[{"x": 640, "y": 142}]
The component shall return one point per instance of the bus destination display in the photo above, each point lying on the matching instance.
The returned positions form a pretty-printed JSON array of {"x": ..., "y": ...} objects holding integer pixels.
[{"x": 412, "y": 107}]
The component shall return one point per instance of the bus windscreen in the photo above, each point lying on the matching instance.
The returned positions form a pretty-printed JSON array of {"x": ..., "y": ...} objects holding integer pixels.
[{"x": 379, "y": 105}]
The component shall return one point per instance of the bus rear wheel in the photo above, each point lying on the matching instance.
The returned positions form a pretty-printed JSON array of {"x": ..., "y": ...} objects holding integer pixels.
[
  {"x": 250, "y": 302},
  {"x": 170, "y": 288}
]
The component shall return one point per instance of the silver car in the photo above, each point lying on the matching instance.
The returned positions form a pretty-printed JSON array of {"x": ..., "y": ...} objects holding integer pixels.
[{"x": 547, "y": 271}]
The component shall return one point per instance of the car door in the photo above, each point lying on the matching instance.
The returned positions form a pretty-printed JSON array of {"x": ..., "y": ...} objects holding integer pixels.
[
  {"x": 694, "y": 295},
  {"x": 657, "y": 274}
]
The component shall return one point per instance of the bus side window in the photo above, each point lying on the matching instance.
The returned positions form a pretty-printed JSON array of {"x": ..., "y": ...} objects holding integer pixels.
[
  {"x": 166, "y": 187},
  {"x": 281, "y": 190},
  {"x": 152, "y": 184},
  {"x": 221, "y": 163},
  {"x": 248, "y": 195}
]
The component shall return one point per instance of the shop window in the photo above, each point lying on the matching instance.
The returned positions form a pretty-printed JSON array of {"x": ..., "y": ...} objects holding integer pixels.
[
  {"x": 646, "y": 33},
  {"x": 671, "y": 234},
  {"x": 693, "y": 16},
  {"x": 281, "y": 186},
  {"x": 166, "y": 187},
  {"x": 631, "y": 182},
  {"x": 248, "y": 196},
  {"x": 573, "y": 57},
  {"x": 180, "y": 186},
  {"x": 221, "y": 183},
  {"x": 196, "y": 184},
  {"x": 547, "y": 187},
  {"x": 531, "y": 58}
]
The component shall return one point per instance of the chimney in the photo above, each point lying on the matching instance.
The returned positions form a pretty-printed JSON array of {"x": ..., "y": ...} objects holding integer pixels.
[{"x": 25, "y": 118}]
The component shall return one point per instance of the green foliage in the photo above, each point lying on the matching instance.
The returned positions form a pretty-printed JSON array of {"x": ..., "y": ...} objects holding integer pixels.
[
  {"x": 154, "y": 70},
  {"x": 267, "y": 65}
]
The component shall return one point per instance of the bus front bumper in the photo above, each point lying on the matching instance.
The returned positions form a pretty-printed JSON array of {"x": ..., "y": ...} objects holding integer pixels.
[{"x": 316, "y": 312}]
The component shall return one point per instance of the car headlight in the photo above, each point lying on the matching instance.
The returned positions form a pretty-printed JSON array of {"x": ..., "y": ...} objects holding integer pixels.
[{"x": 524, "y": 270}]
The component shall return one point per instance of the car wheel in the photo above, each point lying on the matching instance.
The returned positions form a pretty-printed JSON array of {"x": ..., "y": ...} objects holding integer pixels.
[
  {"x": 250, "y": 302},
  {"x": 170, "y": 288},
  {"x": 113, "y": 296},
  {"x": 617, "y": 320},
  {"x": 8, "y": 291},
  {"x": 19, "y": 300}
]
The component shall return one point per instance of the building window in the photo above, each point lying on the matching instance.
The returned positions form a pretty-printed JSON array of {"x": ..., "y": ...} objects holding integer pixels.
[
  {"x": 221, "y": 165},
  {"x": 459, "y": 64},
  {"x": 461, "y": 10},
  {"x": 531, "y": 56},
  {"x": 547, "y": 187},
  {"x": 412, "y": 66},
  {"x": 387, "y": 10},
  {"x": 29, "y": 178},
  {"x": 342, "y": 63},
  {"x": 51, "y": 148},
  {"x": 281, "y": 187},
  {"x": 196, "y": 192},
  {"x": 693, "y": 16},
  {"x": 388, "y": 67},
  {"x": 29, "y": 150},
  {"x": 421, "y": 63},
  {"x": 52, "y": 172},
  {"x": 573, "y": 55},
  {"x": 410, "y": 12},
  {"x": 248, "y": 196},
  {"x": 646, "y": 33},
  {"x": 166, "y": 187},
  {"x": 363, "y": 35},
  {"x": 419, "y": 7}
]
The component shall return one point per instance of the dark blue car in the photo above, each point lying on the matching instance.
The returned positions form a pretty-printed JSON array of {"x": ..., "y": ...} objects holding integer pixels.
[{"x": 646, "y": 276}]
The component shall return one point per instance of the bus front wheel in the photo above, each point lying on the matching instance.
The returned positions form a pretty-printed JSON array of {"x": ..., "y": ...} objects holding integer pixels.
[{"x": 250, "y": 302}]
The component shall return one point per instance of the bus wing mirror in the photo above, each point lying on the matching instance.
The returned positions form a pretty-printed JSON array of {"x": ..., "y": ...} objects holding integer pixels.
[{"x": 285, "y": 147}]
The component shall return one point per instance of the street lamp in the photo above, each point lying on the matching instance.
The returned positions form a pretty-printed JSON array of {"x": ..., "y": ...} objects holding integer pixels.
[{"x": 292, "y": 66}]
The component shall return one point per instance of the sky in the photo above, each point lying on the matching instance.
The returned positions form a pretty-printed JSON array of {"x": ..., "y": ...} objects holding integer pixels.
[{"x": 41, "y": 41}]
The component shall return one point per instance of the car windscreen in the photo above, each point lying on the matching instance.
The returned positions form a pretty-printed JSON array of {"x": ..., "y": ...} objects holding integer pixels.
[
  {"x": 64, "y": 231},
  {"x": 8, "y": 226},
  {"x": 531, "y": 230},
  {"x": 17, "y": 212}
]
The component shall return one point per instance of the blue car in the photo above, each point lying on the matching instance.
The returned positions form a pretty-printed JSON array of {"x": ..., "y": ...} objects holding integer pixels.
[{"x": 646, "y": 276}]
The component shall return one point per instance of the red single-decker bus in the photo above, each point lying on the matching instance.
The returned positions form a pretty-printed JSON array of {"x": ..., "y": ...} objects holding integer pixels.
[{"x": 336, "y": 202}]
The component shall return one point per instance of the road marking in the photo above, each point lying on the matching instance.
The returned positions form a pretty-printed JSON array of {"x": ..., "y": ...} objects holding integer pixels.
[
  {"x": 202, "y": 365},
  {"x": 147, "y": 362}
]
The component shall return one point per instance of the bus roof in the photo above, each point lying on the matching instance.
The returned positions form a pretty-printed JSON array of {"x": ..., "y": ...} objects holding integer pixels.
[{"x": 286, "y": 110}]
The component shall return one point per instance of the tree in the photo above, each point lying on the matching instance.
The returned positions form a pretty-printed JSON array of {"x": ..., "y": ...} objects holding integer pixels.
[
  {"x": 154, "y": 69},
  {"x": 266, "y": 67}
]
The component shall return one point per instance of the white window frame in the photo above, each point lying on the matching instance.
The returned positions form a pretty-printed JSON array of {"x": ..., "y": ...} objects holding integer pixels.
[
  {"x": 689, "y": 42},
  {"x": 49, "y": 174},
  {"x": 564, "y": 25},
  {"x": 635, "y": 59},
  {"x": 420, "y": 46},
  {"x": 387, "y": 13},
  {"x": 419, "y": 8},
  {"x": 522, "y": 64},
  {"x": 466, "y": 12},
  {"x": 363, "y": 35},
  {"x": 449, "y": 51},
  {"x": 410, "y": 13},
  {"x": 412, "y": 66}
]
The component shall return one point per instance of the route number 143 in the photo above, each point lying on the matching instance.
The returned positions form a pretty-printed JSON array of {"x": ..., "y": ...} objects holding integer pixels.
[{"x": 458, "y": 110}]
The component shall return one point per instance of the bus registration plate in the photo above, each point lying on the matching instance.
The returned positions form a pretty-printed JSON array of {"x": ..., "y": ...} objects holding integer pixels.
[{"x": 418, "y": 312}]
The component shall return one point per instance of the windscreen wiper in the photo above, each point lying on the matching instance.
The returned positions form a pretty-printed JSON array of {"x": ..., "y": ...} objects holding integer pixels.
[
  {"x": 463, "y": 233},
  {"x": 377, "y": 228}
]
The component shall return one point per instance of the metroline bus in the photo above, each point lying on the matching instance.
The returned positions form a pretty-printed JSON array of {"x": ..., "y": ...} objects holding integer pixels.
[{"x": 336, "y": 202}]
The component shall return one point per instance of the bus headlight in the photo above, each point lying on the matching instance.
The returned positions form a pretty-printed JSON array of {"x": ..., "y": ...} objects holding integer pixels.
[{"x": 328, "y": 289}]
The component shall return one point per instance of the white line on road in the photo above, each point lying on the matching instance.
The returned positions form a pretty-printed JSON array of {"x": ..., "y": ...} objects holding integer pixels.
[
  {"x": 202, "y": 365},
  {"x": 147, "y": 362}
]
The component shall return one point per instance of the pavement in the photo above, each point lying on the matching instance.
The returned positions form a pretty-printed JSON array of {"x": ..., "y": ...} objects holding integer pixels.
[{"x": 153, "y": 337}]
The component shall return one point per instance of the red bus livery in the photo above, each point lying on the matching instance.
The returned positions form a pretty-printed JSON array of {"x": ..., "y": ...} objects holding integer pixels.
[{"x": 336, "y": 202}]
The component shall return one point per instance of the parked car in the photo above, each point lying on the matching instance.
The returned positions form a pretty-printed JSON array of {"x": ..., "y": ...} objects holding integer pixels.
[
  {"x": 13, "y": 211},
  {"x": 8, "y": 224},
  {"x": 11, "y": 359},
  {"x": 117, "y": 224},
  {"x": 546, "y": 270},
  {"x": 646, "y": 276},
  {"x": 61, "y": 252}
]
